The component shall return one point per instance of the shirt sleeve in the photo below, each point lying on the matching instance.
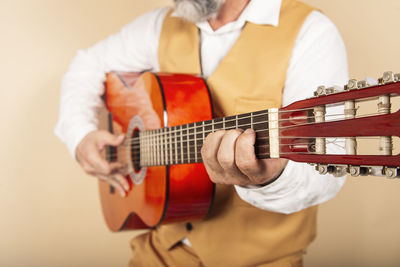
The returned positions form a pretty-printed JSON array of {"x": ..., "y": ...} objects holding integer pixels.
[
  {"x": 133, "y": 49},
  {"x": 318, "y": 58}
]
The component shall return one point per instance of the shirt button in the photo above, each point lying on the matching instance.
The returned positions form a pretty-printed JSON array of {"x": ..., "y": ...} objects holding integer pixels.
[{"x": 189, "y": 226}]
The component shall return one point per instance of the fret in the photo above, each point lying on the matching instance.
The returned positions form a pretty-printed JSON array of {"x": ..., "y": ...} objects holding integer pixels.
[
  {"x": 163, "y": 152},
  {"x": 150, "y": 154},
  {"x": 170, "y": 146},
  {"x": 195, "y": 143},
  {"x": 260, "y": 120},
  {"x": 230, "y": 122},
  {"x": 212, "y": 126},
  {"x": 142, "y": 148},
  {"x": 158, "y": 147},
  {"x": 181, "y": 143},
  {"x": 147, "y": 147},
  {"x": 223, "y": 123},
  {"x": 199, "y": 137},
  {"x": 207, "y": 128},
  {"x": 188, "y": 142},
  {"x": 243, "y": 121},
  {"x": 217, "y": 124},
  {"x": 203, "y": 131},
  {"x": 153, "y": 147},
  {"x": 176, "y": 144},
  {"x": 191, "y": 143},
  {"x": 236, "y": 121},
  {"x": 251, "y": 120},
  {"x": 164, "y": 146}
]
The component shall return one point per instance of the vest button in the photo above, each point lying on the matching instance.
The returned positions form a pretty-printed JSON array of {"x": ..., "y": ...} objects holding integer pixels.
[{"x": 189, "y": 226}]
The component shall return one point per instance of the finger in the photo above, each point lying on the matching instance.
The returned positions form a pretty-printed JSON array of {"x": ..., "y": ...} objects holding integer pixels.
[
  {"x": 226, "y": 156},
  {"x": 107, "y": 138},
  {"x": 209, "y": 152},
  {"x": 122, "y": 180},
  {"x": 114, "y": 183},
  {"x": 245, "y": 156},
  {"x": 97, "y": 162}
]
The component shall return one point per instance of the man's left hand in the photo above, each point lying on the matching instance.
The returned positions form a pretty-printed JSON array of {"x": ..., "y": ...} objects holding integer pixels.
[{"x": 229, "y": 158}]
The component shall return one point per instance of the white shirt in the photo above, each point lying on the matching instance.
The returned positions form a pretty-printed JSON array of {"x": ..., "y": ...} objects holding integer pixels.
[{"x": 318, "y": 58}]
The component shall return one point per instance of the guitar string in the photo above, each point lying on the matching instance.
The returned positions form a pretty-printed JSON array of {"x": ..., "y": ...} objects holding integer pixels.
[
  {"x": 166, "y": 143},
  {"x": 183, "y": 145},
  {"x": 336, "y": 142},
  {"x": 220, "y": 121},
  {"x": 163, "y": 133},
  {"x": 136, "y": 142},
  {"x": 168, "y": 156}
]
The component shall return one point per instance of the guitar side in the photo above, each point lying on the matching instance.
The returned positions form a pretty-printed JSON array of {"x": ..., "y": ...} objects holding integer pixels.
[{"x": 168, "y": 193}]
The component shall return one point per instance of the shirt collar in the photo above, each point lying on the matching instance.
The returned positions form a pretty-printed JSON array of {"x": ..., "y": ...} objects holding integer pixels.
[{"x": 262, "y": 12}]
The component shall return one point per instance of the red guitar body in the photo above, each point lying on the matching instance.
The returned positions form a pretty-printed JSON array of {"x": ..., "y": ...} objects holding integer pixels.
[
  {"x": 168, "y": 194},
  {"x": 166, "y": 118}
]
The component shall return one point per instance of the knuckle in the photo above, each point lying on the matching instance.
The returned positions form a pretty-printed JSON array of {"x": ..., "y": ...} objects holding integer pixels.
[
  {"x": 207, "y": 154},
  {"x": 234, "y": 132},
  {"x": 245, "y": 165},
  {"x": 225, "y": 159},
  {"x": 107, "y": 170},
  {"x": 87, "y": 169}
]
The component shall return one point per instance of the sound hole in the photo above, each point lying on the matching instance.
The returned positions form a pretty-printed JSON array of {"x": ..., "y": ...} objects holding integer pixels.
[{"x": 135, "y": 150}]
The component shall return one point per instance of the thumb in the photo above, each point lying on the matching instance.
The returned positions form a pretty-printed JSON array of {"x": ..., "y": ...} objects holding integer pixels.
[{"x": 107, "y": 138}]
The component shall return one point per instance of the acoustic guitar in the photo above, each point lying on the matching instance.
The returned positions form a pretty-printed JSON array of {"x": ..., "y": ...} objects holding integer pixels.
[{"x": 166, "y": 118}]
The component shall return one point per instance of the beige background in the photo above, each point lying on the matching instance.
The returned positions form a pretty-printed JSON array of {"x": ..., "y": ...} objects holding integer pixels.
[{"x": 50, "y": 213}]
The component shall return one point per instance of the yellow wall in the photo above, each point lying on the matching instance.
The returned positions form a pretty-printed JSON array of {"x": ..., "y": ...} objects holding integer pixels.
[{"x": 50, "y": 213}]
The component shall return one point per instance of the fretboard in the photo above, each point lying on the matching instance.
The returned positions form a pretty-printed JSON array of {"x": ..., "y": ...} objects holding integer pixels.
[{"x": 182, "y": 144}]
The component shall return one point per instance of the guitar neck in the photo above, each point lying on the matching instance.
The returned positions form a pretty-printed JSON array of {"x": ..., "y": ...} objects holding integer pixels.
[{"x": 182, "y": 144}]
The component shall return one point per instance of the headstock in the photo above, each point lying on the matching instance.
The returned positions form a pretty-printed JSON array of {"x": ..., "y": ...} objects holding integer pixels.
[{"x": 305, "y": 128}]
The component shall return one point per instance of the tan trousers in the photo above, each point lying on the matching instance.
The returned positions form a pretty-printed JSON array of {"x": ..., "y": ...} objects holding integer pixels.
[{"x": 148, "y": 252}]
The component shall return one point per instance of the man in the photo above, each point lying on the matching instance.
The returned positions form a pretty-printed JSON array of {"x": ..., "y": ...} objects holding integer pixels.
[{"x": 264, "y": 212}]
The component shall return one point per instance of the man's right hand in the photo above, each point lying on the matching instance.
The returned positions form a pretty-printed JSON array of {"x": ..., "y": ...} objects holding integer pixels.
[{"x": 90, "y": 157}]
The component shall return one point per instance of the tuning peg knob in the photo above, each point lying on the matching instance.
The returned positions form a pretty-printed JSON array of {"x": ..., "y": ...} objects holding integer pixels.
[
  {"x": 388, "y": 77},
  {"x": 320, "y": 91},
  {"x": 354, "y": 170},
  {"x": 322, "y": 168},
  {"x": 358, "y": 170},
  {"x": 351, "y": 85},
  {"x": 390, "y": 172},
  {"x": 397, "y": 77}
]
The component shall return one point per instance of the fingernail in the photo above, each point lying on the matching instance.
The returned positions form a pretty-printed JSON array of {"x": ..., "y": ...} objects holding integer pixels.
[
  {"x": 249, "y": 131},
  {"x": 122, "y": 194}
]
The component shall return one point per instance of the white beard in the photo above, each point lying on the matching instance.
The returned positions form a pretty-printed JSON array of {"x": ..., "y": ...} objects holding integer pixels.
[{"x": 197, "y": 10}]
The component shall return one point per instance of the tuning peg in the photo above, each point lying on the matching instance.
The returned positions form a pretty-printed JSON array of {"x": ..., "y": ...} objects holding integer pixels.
[
  {"x": 320, "y": 91},
  {"x": 337, "y": 170},
  {"x": 397, "y": 77},
  {"x": 351, "y": 85},
  {"x": 322, "y": 168},
  {"x": 358, "y": 170},
  {"x": 388, "y": 77},
  {"x": 333, "y": 90},
  {"x": 390, "y": 172}
]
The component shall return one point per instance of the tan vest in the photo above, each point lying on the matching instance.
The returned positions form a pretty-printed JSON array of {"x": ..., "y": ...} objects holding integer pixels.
[{"x": 251, "y": 77}]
